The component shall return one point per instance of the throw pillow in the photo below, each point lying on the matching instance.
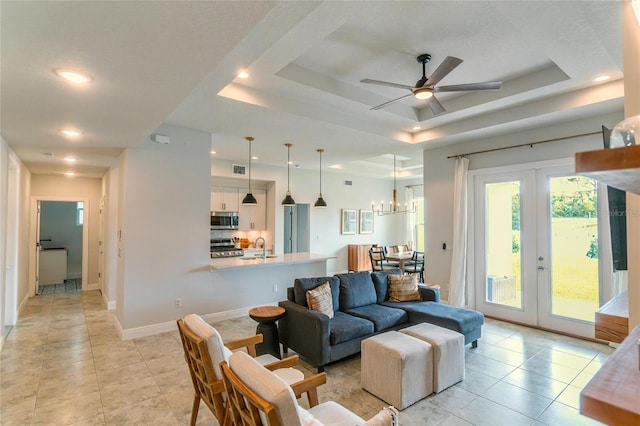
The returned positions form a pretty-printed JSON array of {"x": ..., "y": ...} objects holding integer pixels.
[
  {"x": 319, "y": 299},
  {"x": 403, "y": 288}
]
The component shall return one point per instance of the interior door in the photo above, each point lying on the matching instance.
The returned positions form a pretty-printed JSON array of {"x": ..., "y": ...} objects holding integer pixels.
[
  {"x": 536, "y": 243},
  {"x": 38, "y": 246}
]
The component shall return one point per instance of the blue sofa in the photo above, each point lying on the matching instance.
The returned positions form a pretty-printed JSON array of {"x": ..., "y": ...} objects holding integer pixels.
[{"x": 361, "y": 309}]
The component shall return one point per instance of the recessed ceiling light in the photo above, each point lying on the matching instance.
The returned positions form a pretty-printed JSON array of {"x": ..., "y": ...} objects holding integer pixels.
[
  {"x": 417, "y": 127},
  {"x": 213, "y": 152},
  {"x": 70, "y": 132},
  {"x": 254, "y": 158},
  {"x": 243, "y": 74},
  {"x": 72, "y": 76},
  {"x": 601, "y": 78},
  {"x": 70, "y": 159},
  {"x": 69, "y": 174}
]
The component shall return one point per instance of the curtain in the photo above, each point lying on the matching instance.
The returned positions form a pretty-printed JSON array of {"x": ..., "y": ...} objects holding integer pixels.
[
  {"x": 458, "y": 277},
  {"x": 411, "y": 219}
]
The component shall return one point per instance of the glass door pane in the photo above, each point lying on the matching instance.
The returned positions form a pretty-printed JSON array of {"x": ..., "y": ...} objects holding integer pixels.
[
  {"x": 574, "y": 247},
  {"x": 503, "y": 278}
]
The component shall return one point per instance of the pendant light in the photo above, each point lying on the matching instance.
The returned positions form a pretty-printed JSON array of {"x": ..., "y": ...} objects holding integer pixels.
[
  {"x": 320, "y": 202},
  {"x": 394, "y": 207},
  {"x": 288, "y": 199},
  {"x": 249, "y": 199}
]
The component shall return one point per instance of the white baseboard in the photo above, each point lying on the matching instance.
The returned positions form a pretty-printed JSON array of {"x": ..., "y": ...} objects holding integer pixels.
[
  {"x": 149, "y": 330},
  {"x": 23, "y": 303},
  {"x": 93, "y": 286},
  {"x": 111, "y": 304}
]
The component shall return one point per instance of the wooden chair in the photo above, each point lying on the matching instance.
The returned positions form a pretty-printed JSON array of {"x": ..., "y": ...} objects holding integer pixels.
[
  {"x": 379, "y": 260},
  {"x": 204, "y": 351},
  {"x": 256, "y": 397}
]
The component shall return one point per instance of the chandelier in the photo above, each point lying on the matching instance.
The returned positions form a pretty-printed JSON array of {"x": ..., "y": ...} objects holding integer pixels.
[{"x": 394, "y": 207}]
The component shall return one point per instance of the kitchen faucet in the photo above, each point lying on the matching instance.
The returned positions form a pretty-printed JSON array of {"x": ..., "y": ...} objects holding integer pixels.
[{"x": 264, "y": 246}]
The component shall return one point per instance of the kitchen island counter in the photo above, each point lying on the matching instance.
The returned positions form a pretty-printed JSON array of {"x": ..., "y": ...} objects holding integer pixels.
[{"x": 270, "y": 260}]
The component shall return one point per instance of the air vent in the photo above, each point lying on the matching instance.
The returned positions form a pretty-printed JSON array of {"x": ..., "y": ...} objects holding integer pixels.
[
  {"x": 239, "y": 170},
  {"x": 348, "y": 183}
]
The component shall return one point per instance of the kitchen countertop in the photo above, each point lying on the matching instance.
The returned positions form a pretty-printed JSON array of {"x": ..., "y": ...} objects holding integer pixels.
[{"x": 271, "y": 260}]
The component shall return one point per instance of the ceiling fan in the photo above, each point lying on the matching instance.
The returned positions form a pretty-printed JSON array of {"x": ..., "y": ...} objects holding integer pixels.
[{"x": 425, "y": 88}]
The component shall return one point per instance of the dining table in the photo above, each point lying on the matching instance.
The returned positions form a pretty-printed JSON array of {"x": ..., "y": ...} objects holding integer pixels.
[{"x": 401, "y": 257}]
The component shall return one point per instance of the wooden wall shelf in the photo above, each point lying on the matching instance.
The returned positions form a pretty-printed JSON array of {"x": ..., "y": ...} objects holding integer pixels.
[
  {"x": 616, "y": 167},
  {"x": 612, "y": 320},
  {"x": 613, "y": 395}
]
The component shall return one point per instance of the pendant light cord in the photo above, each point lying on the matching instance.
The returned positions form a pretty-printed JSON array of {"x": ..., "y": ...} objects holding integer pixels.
[{"x": 320, "y": 172}]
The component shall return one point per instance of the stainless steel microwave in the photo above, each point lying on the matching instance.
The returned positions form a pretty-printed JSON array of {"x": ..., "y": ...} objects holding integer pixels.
[{"x": 224, "y": 220}]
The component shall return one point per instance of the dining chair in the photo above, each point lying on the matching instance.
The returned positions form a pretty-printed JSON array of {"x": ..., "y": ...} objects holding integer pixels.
[
  {"x": 204, "y": 351},
  {"x": 379, "y": 260},
  {"x": 416, "y": 266},
  {"x": 257, "y": 397}
]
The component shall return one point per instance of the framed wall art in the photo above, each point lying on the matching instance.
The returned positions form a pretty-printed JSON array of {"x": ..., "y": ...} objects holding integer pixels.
[
  {"x": 366, "y": 221},
  {"x": 348, "y": 221}
]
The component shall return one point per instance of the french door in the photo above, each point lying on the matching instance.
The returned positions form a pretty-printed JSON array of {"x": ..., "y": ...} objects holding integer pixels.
[{"x": 536, "y": 248}]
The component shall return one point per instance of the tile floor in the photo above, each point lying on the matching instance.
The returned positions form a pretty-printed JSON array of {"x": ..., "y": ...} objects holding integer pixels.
[
  {"x": 69, "y": 285},
  {"x": 63, "y": 364}
]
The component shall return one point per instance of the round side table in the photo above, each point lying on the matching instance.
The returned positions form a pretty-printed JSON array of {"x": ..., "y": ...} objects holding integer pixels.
[{"x": 266, "y": 316}]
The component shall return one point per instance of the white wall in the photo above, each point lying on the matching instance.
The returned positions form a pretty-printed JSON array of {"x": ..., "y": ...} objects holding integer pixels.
[
  {"x": 325, "y": 223},
  {"x": 14, "y": 255},
  {"x": 110, "y": 236},
  {"x": 164, "y": 224},
  {"x": 438, "y": 178}
]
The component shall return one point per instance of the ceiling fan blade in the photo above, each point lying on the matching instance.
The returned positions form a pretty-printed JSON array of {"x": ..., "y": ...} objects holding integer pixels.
[
  {"x": 386, "y": 83},
  {"x": 448, "y": 65},
  {"x": 435, "y": 105},
  {"x": 487, "y": 85},
  {"x": 392, "y": 101}
]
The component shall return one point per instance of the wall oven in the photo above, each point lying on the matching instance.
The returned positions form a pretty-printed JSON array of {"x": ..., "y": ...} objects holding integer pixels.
[{"x": 224, "y": 220}]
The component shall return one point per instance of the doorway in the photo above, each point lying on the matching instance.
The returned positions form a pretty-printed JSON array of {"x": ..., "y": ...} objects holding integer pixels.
[
  {"x": 536, "y": 243},
  {"x": 296, "y": 228},
  {"x": 60, "y": 241}
]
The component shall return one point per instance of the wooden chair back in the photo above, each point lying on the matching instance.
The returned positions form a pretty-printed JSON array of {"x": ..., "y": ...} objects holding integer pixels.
[
  {"x": 207, "y": 386},
  {"x": 244, "y": 407},
  {"x": 377, "y": 256}
]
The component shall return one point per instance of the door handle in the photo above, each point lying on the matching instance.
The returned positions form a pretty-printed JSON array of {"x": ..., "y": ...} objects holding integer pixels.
[{"x": 541, "y": 268}]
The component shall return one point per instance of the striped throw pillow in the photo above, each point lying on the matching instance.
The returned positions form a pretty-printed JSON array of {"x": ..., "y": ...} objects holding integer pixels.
[
  {"x": 403, "y": 288},
  {"x": 319, "y": 299}
]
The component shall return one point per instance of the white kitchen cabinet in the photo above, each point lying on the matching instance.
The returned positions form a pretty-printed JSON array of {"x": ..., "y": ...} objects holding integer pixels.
[
  {"x": 253, "y": 217},
  {"x": 224, "y": 199}
]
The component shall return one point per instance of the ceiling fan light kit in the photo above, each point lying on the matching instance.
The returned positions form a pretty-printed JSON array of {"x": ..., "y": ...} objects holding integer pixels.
[{"x": 425, "y": 88}]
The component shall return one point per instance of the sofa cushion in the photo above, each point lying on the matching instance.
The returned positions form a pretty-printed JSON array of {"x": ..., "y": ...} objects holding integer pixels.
[
  {"x": 319, "y": 299},
  {"x": 458, "y": 319},
  {"x": 346, "y": 327},
  {"x": 356, "y": 289},
  {"x": 380, "y": 282},
  {"x": 301, "y": 285},
  {"x": 382, "y": 317},
  {"x": 403, "y": 288}
]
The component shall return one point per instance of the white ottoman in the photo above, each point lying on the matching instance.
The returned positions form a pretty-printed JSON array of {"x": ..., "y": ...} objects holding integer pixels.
[
  {"x": 397, "y": 368},
  {"x": 448, "y": 353}
]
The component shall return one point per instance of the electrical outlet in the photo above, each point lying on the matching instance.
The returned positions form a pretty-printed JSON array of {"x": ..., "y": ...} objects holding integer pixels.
[
  {"x": 275, "y": 288},
  {"x": 178, "y": 303}
]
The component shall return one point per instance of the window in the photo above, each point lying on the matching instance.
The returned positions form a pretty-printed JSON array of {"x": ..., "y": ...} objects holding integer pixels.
[
  {"x": 80, "y": 213},
  {"x": 418, "y": 229}
]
